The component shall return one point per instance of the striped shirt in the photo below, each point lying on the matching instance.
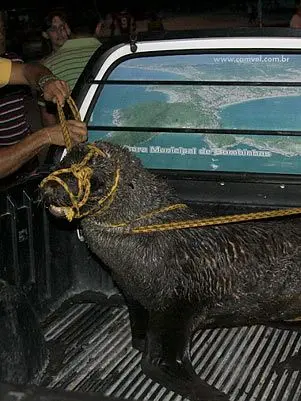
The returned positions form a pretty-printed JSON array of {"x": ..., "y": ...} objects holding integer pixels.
[
  {"x": 70, "y": 60},
  {"x": 13, "y": 122}
]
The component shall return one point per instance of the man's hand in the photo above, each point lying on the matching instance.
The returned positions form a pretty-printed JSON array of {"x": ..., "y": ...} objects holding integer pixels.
[
  {"x": 77, "y": 129},
  {"x": 56, "y": 91}
]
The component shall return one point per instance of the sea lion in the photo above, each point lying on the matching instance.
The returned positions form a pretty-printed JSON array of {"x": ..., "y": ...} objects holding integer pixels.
[{"x": 174, "y": 279}]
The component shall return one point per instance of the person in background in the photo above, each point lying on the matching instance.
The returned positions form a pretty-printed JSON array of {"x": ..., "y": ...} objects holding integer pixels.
[
  {"x": 55, "y": 30},
  {"x": 15, "y": 156},
  {"x": 123, "y": 24},
  {"x": 70, "y": 60},
  {"x": 295, "y": 21}
]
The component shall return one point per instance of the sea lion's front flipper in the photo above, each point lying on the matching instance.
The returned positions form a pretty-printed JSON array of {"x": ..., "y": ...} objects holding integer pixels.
[
  {"x": 167, "y": 357},
  {"x": 139, "y": 322}
]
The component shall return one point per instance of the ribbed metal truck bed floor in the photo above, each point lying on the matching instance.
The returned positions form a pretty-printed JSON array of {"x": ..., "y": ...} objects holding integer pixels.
[{"x": 90, "y": 351}]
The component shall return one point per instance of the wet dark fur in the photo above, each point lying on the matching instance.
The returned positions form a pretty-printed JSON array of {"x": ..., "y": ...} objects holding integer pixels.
[{"x": 175, "y": 281}]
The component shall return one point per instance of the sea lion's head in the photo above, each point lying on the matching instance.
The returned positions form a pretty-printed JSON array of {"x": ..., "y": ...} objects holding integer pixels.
[{"x": 85, "y": 181}]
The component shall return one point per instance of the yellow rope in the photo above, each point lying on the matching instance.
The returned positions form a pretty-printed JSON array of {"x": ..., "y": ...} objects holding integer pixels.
[
  {"x": 83, "y": 175},
  {"x": 176, "y": 225},
  {"x": 63, "y": 122},
  {"x": 150, "y": 214}
]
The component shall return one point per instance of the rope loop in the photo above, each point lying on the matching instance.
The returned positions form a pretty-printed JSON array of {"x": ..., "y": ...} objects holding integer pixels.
[{"x": 63, "y": 122}]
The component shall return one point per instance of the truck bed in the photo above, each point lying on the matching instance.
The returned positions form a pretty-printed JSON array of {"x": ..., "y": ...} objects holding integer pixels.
[
  {"x": 90, "y": 351},
  {"x": 86, "y": 326}
]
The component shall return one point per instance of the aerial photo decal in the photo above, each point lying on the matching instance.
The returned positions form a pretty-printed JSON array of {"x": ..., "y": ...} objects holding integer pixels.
[{"x": 209, "y": 106}]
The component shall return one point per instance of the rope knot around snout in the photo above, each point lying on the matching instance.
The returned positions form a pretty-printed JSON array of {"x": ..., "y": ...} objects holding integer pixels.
[{"x": 83, "y": 173}]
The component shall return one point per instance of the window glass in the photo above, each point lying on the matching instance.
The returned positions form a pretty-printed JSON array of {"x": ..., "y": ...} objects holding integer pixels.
[{"x": 205, "y": 112}]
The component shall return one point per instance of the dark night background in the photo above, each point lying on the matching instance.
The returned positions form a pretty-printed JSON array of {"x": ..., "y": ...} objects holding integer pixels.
[
  {"x": 107, "y": 5},
  {"x": 25, "y": 17}
]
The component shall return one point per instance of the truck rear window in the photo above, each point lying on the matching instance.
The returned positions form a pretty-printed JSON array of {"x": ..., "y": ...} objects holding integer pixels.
[{"x": 205, "y": 112}]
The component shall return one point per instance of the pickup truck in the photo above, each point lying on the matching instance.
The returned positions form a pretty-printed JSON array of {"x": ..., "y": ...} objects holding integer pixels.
[{"x": 218, "y": 116}]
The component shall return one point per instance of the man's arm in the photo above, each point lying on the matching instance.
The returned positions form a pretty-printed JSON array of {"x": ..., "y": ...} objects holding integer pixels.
[
  {"x": 38, "y": 76},
  {"x": 28, "y": 74},
  {"x": 13, "y": 157}
]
